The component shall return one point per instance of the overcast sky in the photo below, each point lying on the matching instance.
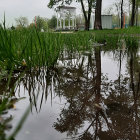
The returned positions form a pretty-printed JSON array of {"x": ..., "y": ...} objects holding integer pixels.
[{"x": 30, "y": 9}]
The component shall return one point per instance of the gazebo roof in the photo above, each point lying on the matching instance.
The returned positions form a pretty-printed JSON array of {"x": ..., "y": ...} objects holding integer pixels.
[{"x": 66, "y": 7}]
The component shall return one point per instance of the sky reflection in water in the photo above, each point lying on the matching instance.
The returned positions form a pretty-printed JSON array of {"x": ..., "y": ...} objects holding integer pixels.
[{"x": 85, "y": 96}]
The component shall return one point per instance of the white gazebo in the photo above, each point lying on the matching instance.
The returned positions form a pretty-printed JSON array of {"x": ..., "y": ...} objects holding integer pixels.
[{"x": 66, "y": 13}]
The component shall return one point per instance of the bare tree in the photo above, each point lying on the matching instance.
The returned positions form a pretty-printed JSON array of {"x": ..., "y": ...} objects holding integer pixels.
[
  {"x": 22, "y": 21},
  {"x": 117, "y": 5}
]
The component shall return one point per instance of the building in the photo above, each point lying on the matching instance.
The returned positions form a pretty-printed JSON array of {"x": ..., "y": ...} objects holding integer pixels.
[
  {"x": 106, "y": 21},
  {"x": 66, "y": 18}
]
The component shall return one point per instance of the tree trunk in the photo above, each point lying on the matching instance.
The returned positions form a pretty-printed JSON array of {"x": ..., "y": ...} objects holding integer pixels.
[
  {"x": 98, "y": 21},
  {"x": 129, "y": 14},
  {"x": 86, "y": 26},
  {"x": 122, "y": 14},
  {"x": 87, "y": 16},
  {"x": 98, "y": 71},
  {"x": 137, "y": 14},
  {"x": 133, "y": 12},
  {"x": 84, "y": 12},
  {"x": 89, "y": 12}
]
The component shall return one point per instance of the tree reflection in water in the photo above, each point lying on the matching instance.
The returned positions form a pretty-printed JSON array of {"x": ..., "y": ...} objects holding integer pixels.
[{"x": 96, "y": 107}]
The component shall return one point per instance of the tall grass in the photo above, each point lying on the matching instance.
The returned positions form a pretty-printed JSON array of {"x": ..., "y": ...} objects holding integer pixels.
[
  {"x": 30, "y": 49},
  {"x": 27, "y": 48},
  {"x": 5, "y": 104}
]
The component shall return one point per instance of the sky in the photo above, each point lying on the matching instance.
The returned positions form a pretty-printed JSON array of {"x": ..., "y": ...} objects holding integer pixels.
[{"x": 31, "y": 8}]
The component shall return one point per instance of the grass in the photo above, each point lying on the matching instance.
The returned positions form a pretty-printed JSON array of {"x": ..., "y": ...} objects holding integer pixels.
[
  {"x": 31, "y": 49},
  {"x": 127, "y": 31},
  {"x": 5, "y": 104},
  {"x": 27, "y": 48}
]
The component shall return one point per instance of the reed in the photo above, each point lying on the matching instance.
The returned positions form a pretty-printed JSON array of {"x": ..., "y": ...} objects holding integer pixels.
[{"x": 31, "y": 49}]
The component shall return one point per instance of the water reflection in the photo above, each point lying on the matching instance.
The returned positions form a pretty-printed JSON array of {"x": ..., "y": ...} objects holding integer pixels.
[
  {"x": 108, "y": 109},
  {"x": 96, "y": 106}
]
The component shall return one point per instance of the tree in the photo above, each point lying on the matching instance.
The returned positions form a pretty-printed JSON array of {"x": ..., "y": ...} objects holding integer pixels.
[
  {"x": 41, "y": 23},
  {"x": 31, "y": 26},
  {"x": 137, "y": 11},
  {"x": 118, "y": 9},
  {"x": 52, "y": 22},
  {"x": 102, "y": 104},
  {"x": 22, "y": 21},
  {"x": 98, "y": 21},
  {"x": 122, "y": 14},
  {"x": 117, "y": 6},
  {"x": 133, "y": 12},
  {"x": 87, "y": 15},
  {"x": 86, "y": 10},
  {"x": 12, "y": 27}
]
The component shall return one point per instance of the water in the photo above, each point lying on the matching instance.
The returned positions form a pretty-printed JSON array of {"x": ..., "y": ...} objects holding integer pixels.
[{"x": 87, "y": 95}]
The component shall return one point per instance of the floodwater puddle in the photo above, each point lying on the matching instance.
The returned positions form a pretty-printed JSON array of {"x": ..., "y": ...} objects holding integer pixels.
[{"x": 84, "y": 96}]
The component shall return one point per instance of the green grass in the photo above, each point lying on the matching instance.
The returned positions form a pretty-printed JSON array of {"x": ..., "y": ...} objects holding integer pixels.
[
  {"x": 29, "y": 49},
  {"x": 127, "y": 31},
  {"x": 5, "y": 104}
]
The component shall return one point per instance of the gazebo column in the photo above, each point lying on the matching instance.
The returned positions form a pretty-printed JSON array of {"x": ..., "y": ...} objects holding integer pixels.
[
  {"x": 57, "y": 23},
  {"x": 69, "y": 23},
  {"x": 73, "y": 23},
  {"x": 64, "y": 23},
  {"x": 60, "y": 24}
]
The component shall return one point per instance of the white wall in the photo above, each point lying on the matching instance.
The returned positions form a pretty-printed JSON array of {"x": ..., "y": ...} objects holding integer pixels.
[{"x": 106, "y": 21}]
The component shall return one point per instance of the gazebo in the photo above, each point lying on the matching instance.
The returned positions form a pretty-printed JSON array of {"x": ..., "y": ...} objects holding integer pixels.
[{"x": 66, "y": 14}]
